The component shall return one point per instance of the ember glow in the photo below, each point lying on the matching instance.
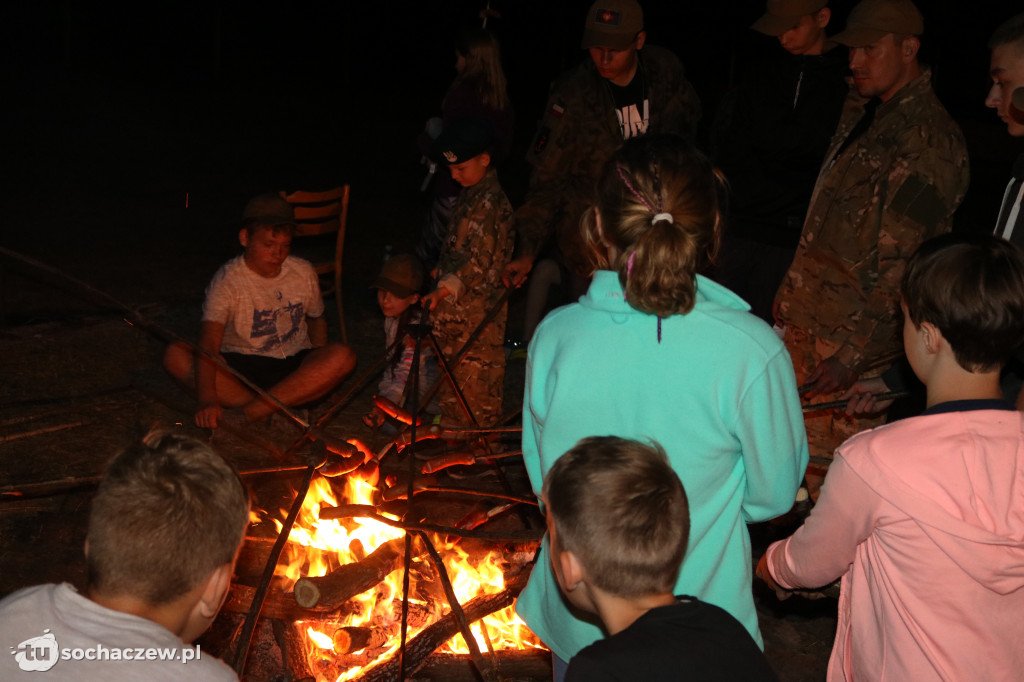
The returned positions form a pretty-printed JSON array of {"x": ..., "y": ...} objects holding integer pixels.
[{"x": 317, "y": 547}]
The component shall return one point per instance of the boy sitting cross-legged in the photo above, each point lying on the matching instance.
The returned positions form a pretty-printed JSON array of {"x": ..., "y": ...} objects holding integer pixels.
[
  {"x": 924, "y": 518},
  {"x": 165, "y": 528},
  {"x": 263, "y": 316},
  {"x": 618, "y": 524}
]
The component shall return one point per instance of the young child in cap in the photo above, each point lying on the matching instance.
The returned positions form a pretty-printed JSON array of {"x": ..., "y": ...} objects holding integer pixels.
[
  {"x": 618, "y": 523},
  {"x": 165, "y": 528},
  {"x": 468, "y": 274},
  {"x": 263, "y": 316},
  {"x": 398, "y": 292},
  {"x": 924, "y": 518}
]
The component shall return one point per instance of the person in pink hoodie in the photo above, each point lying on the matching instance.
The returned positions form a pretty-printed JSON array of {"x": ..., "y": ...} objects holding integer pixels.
[{"x": 924, "y": 518}]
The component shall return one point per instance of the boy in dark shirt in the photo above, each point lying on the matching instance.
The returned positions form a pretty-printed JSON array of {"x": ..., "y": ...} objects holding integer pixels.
[{"x": 618, "y": 524}]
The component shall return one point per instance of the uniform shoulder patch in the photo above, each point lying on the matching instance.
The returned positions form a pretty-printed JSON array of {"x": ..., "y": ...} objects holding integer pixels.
[{"x": 919, "y": 200}]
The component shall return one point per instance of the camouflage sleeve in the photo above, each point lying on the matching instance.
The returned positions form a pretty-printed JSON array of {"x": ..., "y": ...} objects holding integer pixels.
[
  {"x": 550, "y": 153},
  {"x": 924, "y": 186},
  {"x": 675, "y": 105}
]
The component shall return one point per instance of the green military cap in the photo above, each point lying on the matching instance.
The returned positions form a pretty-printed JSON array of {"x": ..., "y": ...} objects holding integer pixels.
[
  {"x": 612, "y": 23},
  {"x": 872, "y": 20},
  {"x": 781, "y": 15}
]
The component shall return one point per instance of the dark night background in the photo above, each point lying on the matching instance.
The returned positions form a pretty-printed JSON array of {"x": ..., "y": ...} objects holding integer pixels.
[{"x": 115, "y": 111}]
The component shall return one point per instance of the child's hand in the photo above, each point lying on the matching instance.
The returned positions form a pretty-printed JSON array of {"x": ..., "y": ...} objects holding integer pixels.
[
  {"x": 828, "y": 377},
  {"x": 765, "y": 575},
  {"x": 209, "y": 416},
  {"x": 431, "y": 300},
  {"x": 862, "y": 394}
]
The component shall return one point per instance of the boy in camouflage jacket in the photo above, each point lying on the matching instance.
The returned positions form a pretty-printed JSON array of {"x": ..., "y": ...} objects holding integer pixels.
[{"x": 468, "y": 273}]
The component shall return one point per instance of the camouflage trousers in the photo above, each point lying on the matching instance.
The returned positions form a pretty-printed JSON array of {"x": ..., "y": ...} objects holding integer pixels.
[
  {"x": 481, "y": 373},
  {"x": 826, "y": 429}
]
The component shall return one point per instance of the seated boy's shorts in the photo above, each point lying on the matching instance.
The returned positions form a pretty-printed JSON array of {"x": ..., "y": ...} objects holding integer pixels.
[{"x": 264, "y": 371}]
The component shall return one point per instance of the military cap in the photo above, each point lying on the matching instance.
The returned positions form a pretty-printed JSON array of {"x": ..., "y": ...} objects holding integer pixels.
[
  {"x": 462, "y": 139},
  {"x": 402, "y": 275},
  {"x": 872, "y": 20},
  {"x": 612, "y": 23},
  {"x": 781, "y": 15}
]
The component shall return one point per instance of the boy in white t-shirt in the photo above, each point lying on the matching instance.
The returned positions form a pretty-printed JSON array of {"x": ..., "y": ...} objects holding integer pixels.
[
  {"x": 263, "y": 316},
  {"x": 165, "y": 528}
]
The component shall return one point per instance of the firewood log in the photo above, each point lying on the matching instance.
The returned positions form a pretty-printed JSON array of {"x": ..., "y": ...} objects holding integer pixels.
[
  {"x": 334, "y": 589},
  {"x": 420, "y": 647}
]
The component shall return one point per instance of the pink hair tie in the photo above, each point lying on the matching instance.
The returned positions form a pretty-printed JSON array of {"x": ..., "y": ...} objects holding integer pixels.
[
  {"x": 629, "y": 269},
  {"x": 632, "y": 190}
]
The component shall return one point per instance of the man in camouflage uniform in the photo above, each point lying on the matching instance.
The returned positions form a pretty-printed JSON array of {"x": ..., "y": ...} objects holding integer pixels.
[
  {"x": 885, "y": 186},
  {"x": 478, "y": 246},
  {"x": 624, "y": 90}
]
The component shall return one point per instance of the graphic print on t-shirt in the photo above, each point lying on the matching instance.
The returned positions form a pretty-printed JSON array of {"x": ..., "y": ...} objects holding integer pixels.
[
  {"x": 631, "y": 122},
  {"x": 632, "y": 107},
  {"x": 264, "y": 325}
]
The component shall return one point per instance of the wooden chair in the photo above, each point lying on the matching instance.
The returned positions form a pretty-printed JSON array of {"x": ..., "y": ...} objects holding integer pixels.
[{"x": 320, "y": 215}]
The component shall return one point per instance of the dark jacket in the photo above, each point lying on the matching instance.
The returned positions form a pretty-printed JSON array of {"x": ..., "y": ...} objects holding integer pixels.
[
  {"x": 770, "y": 138},
  {"x": 580, "y": 131}
]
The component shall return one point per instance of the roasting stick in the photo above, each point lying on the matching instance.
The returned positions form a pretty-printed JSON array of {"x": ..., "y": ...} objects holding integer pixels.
[
  {"x": 134, "y": 317},
  {"x": 836, "y": 404},
  {"x": 318, "y": 459},
  {"x": 141, "y": 320},
  {"x": 455, "y": 359},
  {"x": 249, "y": 626},
  {"x": 485, "y": 668},
  {"x": 365, "y": 511},
  {"x": 418, "y": 331}
]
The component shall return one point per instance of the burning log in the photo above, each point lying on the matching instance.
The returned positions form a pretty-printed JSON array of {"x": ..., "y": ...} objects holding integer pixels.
[
  {"x": 420, "y": 647},
  {"x": 531, "y": 664},
  {"x": 350, "y": 639},
  {"x": 276, "y": 605},
  {"x": 334, "y": 589},
  {"x": 291, "y": 641}
]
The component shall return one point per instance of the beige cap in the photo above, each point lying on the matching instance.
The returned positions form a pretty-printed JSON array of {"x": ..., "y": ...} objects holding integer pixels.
[
  {"x": 781, "y": 15},
  {"x": 872, "y": 20},
  {"x": 269, "y": 209}
]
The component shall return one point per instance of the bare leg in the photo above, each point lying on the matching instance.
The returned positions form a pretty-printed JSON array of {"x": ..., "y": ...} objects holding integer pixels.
[
  {"x": 320, "y": 371},
  {"x": 179, "y": 361}
]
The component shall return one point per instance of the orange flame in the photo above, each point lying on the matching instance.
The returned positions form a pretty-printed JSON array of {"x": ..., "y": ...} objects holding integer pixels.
[{"x": 318, "y": 546}]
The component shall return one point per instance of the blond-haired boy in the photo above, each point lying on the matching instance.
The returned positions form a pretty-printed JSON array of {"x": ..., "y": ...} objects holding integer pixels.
[{"x": 164, "y": 531}]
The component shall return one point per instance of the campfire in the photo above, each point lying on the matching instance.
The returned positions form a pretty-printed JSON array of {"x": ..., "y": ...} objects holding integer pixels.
[{"x": 339, "y": 588}]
